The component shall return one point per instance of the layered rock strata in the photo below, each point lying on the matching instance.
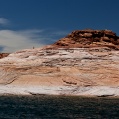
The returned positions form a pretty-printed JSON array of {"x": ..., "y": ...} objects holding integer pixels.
[
  {"x": 89, "y": 38},
  {"x": 60, "y": 69}
]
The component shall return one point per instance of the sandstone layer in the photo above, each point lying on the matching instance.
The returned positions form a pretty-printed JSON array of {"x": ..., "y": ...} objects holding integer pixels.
[
  {"x": 71, "y": 66},
  {"x": 88, "y": 39}
]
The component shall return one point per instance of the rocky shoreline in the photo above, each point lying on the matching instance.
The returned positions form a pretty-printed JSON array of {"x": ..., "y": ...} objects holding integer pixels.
[{"x": 97, "y": 91}]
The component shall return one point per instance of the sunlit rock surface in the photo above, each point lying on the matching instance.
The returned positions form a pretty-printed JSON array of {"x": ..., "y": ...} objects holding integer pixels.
[{"x": 65, "y": 69}]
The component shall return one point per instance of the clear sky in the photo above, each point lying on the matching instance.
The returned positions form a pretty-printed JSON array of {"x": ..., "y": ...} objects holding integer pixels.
[{"x": 28, "y": 23}]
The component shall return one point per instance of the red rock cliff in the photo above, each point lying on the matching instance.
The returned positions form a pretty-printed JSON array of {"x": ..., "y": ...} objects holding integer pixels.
[{"x": 89, "y": 38}]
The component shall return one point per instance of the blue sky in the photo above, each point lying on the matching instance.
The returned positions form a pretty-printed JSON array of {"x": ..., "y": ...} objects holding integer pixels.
[{"x": 28, "y": 23}]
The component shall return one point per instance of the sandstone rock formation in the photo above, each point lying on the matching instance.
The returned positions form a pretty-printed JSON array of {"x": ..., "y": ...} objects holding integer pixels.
[
  {"x": 89, "y": 38},
  {"x": 85, "y": 62},
  {"x": 2, "y": 55}
]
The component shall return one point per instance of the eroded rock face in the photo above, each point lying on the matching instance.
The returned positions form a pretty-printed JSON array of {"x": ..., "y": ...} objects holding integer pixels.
[
  {"x": 89, "y": 38},
  {"x": 58, "y": 69}
]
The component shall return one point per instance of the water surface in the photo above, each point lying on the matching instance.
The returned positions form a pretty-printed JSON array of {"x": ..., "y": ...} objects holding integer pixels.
[{"x": 58, "y": 107}]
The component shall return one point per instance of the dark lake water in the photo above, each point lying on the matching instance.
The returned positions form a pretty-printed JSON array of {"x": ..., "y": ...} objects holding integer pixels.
[{"x": 58, "y": 107}]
